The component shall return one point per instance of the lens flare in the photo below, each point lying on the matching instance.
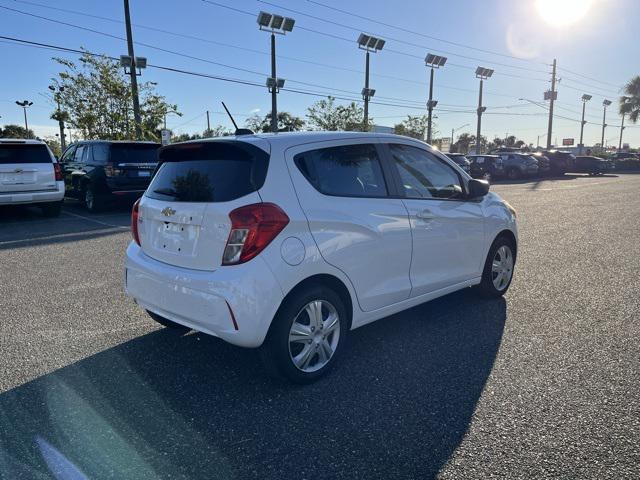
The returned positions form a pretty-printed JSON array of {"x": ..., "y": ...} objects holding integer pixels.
[{"x": 560, "y": 13}]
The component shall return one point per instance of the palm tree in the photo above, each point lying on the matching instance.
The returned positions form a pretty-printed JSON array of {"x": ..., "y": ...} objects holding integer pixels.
[{"x": 630, "y": 101}]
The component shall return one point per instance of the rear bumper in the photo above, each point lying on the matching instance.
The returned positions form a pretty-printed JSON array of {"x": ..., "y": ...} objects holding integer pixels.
[
  {"x": 207, "y": 301},
  {"x": 42, "y": 196}
]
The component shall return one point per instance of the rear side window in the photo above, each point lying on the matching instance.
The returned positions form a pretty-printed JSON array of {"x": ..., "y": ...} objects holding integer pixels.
[
  {"x": 208, "y": 172},
  {"x": 133, "y": 152},
  {"x": 347, "y": 171},
  {"x": 23, "y": 153}
]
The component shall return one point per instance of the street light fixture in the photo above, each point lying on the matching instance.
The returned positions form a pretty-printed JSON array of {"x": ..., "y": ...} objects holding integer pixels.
[
  {"x": 483, "y": 74},
  {"x": 57, "y": 91},
  {"x": 585, "y": 99},
  {"x": 273, "y": 24},
  {"x": 605, "y": 104},
  {"x": 432, "y": 61},
  {"x": 369, "y": 44},
  {"x": 25, "y": 104}
]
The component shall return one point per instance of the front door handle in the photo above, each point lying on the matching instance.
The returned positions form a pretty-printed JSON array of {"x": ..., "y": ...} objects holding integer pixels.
[{"x": 425, "y": 214}]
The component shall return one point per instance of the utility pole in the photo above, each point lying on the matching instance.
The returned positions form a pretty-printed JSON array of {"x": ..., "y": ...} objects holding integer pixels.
[
  {"x": 432, "y": 61},
  {"x": 133, "y": 72},
  {"x": 552, "y": 98},
  {"x": 585, "y": 99},
  {"x": 56, "y": 96},
  {"x": 208, "y": 124},
  {"x": 483, "y": 74},
  {"x": 605, "y": 104},
  {"x": 430, "y": 106},
  {"x": 368, "y": 44},
  {"x": 621, "y": 130},
  {"x": 274, "y": 93}
]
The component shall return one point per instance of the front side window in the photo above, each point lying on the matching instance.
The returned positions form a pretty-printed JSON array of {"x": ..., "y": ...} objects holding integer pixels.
[
  {"x": 422, "y": 175},
  {"x": 345, "y": 171},
  {"x": 79, "y": 153}
]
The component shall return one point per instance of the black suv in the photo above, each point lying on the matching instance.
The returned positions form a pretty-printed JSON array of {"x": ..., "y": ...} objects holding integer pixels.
[
  {"x": 560, "y": 162},
  {"x": 460, "y": 159},
  {"x": 510, "y": 165},
  {"x": 98, "y": 171}
]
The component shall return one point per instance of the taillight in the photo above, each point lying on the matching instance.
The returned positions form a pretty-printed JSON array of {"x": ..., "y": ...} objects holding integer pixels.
[
  {"x": 58, "y": 172},
  {"x": 253, "y": 227},
  {"x": 135, "y": 218}
]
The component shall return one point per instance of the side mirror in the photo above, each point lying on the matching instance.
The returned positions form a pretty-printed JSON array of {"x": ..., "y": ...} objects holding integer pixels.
[{"x": 478, "y": 188}]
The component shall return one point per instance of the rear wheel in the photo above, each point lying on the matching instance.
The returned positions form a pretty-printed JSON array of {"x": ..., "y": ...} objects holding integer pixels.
[
  {"x": 307, "y": 334},
  {"x": 498, "y": 268},
  {"x": 92, "y": 200},
  {"x": 52, "y": 209},
  {"x": 167, "y": 323}
]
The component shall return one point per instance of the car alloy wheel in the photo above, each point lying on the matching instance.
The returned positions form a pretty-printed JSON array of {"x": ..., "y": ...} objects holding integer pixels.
[
  {"x": 89, "y": 199},
  {"x": 314, "y": 336},
  {"x": 502, "y": 267}
]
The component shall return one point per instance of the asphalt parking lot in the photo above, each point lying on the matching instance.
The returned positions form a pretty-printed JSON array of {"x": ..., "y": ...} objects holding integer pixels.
[{"x": 542, "y": 384}]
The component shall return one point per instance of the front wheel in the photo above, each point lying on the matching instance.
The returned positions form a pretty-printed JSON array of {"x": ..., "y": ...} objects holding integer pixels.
[
  {"x": 307, "y": 334},
  {"x": 92, "y": 200},
  {"x": 498, "y": 268}
]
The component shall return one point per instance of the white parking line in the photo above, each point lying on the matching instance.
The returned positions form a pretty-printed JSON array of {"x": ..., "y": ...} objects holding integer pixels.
[{"x": 95, "y": 221}]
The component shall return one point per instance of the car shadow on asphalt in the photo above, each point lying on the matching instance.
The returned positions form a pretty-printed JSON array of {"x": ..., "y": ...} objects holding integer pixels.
[{"x": 169, "y": 406}]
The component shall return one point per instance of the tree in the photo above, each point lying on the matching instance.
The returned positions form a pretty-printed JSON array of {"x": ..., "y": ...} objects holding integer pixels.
[
  {"x": 15, "y": 131},
  {"x": 326, "y": 115},
  {"x": 54, "y": 145},
  {"x": 467, "y": 142},
  {"x": 286, "y": 122},
  {"x": 97, "y": 97},
  {"x": 630, "y": 101},
  {"x": 415, "y": 126},
  {"x": 216, "y": 131}
]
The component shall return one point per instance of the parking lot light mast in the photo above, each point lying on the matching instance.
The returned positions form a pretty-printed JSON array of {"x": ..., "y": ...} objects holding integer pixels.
[
  {"x": 585, "y": 99},
  {"x": 605, "y": 104},
  {"x": 483, "y": 74},
  {"x": 552, "y": 96},
  {"x": 56, "y": 95},
  {"x": 433, "y": 61},
  {"x": 133, "y": 72},
  {"x": 622, "y": 127},
  {"x": 25, "y": 104},
  {"x": 369, "y": 44},
  {"x": 454, "y": 130},
  {"x": 280, "y": 25}
]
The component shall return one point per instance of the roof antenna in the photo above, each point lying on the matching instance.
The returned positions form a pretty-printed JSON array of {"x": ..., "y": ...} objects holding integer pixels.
[{"x": 239, "y": 131}]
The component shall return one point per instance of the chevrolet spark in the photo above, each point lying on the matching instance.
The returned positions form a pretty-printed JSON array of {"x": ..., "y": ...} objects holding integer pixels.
[{"x": 287, "y": 242}]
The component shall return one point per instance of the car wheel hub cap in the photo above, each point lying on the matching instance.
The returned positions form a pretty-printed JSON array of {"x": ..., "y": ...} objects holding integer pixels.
[
  {"x": 502, "y": 267},
  {"x": 314, "y": 336}
]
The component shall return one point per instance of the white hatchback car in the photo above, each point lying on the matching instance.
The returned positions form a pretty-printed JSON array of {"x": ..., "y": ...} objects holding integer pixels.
[
  {"x": 289, "y": 241},
  {"x": 30, "y": 174}
]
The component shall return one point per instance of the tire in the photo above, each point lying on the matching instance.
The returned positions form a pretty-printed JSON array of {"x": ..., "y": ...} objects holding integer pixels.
[
  {"x": 168, "y": 323},
  {"x": 92, "y": 200},
  {"x": 513, "y": 174},
  {"x": 52, "y": 209},
  {"x": 315, "y": 350},
  {"x": 489, "y": 287}
]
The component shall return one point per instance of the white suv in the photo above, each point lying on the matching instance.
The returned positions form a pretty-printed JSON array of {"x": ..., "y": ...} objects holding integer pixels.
[
  {"x": 30, "y": 174},
  {"x": 289, "y": 241}
]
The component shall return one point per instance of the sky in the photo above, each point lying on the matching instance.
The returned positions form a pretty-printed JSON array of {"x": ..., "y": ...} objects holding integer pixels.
[{"x": 594, "y": 42}]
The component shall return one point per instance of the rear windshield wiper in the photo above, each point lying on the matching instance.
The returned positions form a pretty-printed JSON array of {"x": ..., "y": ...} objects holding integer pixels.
[{"x": 166, "y": 191}]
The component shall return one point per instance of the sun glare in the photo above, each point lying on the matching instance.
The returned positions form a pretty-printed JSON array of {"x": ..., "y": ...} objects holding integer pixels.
[{"x": 563, "y": 12}]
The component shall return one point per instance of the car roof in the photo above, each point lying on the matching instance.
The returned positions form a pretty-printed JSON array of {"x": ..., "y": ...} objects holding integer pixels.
[
  {"x": 29, "y": 141},
  {"x": 146, "y": 142},
  {"x": 490, "y": 155},
  {"x": 285, "y": 139}
]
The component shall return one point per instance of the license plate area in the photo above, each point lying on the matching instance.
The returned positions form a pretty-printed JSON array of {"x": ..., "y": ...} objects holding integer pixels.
[
  {"x": 17, "y": 178},
  {"x": 176, "y": 238}
]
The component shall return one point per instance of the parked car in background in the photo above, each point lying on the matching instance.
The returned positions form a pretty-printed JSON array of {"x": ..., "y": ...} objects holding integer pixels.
[
  {"x": 99, "y": 171},
  {"x": 623, "y": 155},
  {"x": 287, "y": 242},
  {"x": 592, "y": 165},
  {"x": 460, "y": 159},
  {"x": 544, "y": 164},
  {"x": 627, "y": 163},
  {"x": 560, "y": 162},
  {"x": 485, "y": 166},
  {"x": 30, "y": 174}
]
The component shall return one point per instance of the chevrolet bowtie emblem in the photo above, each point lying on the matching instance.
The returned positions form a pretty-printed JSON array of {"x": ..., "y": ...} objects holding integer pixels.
[{"x": 168, "y": 211}]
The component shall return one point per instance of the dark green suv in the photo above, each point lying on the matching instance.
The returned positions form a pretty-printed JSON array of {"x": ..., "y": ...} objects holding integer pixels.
[{"x": 99, "y": 171}]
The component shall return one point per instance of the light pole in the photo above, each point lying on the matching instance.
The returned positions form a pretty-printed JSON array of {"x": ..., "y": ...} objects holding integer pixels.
[
  {"x": 433, "y": 61},
  {"x": 625, "y": 100},
  {"x": 25, "y": 104},
  {"x": 483, "y": 74},
  {"x": 56, "y": 96},
  {"x": 368, "y": 44},
  {"x": 133, "y": 67},
  {"x": 585, "y": 99},
  {"x": 280, "y": 25},
  {"x": 454, "y": 130},
  {"x": 605, "y": 104}
]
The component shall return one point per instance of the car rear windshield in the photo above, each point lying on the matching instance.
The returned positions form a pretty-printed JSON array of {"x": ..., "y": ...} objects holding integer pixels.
[
  {"x": 127, "y": 152},
  {"x": 23, "y": 153},
  {"x": 208, "y": 172}
]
